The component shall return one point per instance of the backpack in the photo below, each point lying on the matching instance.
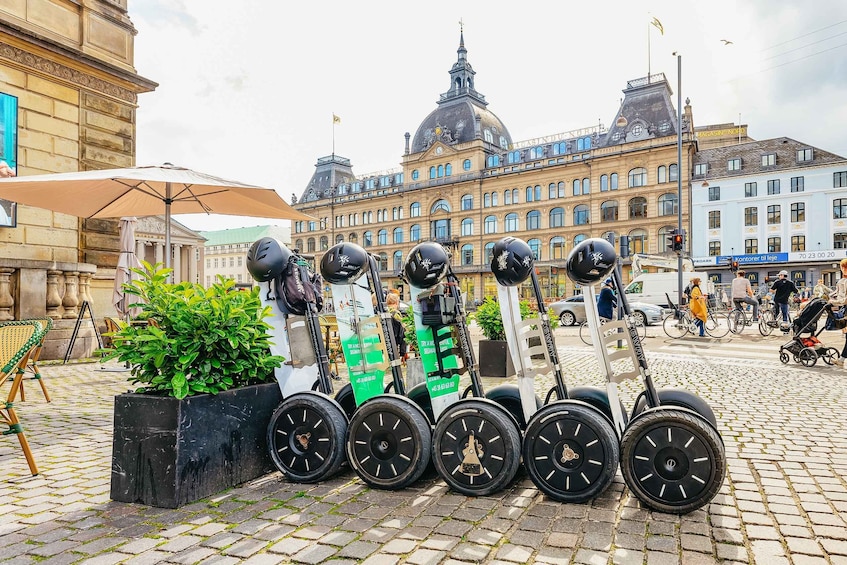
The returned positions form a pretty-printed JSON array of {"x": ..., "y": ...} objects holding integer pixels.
[{"x": 298, "y": 287}]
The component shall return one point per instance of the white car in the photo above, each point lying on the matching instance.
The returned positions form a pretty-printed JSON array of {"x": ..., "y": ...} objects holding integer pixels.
[{"x": 572, "y": 311}]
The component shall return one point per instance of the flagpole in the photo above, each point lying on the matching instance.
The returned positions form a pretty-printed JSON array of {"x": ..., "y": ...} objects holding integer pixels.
[
  {"x": 333, "y": 136},
  {"x": 648, "y": 52}
]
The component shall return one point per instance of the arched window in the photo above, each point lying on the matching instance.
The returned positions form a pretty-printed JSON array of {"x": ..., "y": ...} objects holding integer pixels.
[
  {"x": 467, "y": 202},
  {"x": 441, "y": 205},
  {"x": 432, "y": 172},
  {"x": 557, "y": 217},
  {"x": 673, "y": 172},
  {"x": 382, "y": 237},
  {"x": 467, "y": 226},
  {"x": 440, "y": 171},
  {"x": 551, "y": 190},
  {"x": 415, "y": 209},
  {"x": 367, "y": 239},
  {"x": 383, "y": 261},
  {"x": 533, "y": 220},
  {"x": 415, "y": 232},
  {"x": 638, "y": 207},
  {"x": 416, "y": 175},
  {"x": 511, "y": 222},
  {"x": 662, "y": 174},
  {"x": 353, "y": 238},
  {"x": 494, "y": 198},
  {"x": 557, "y": 247},
  {"x": 448, "y": 170},
  {"x": 638, "y": 177},
  {"x": 604, "y": 183},
  {"x": 467, "y": 254},
  {"x": 398, "y": 261},
  {"x": 638, "y": 241},
  {"x": 577, "y": 187},
  {"x": 398, "y": 235},
  {"x": 586, "y": 186},
  {"x": 486, "y": 200},
  {"x": 507, "y": 197},
  {"x": 579, "y": 238},
  {"x": 493, "y": 161},
  {"x": 561, "y": 187},
  {"x": 298, "y": 244},
  {"x": 580, "y": 215},
  {"x": 529, "y": 194},
  {"x": 664, "y": 235},
  {"x": 339, "y": 238},
  {"x": 489, "y": 252},
  {"x": 515, "y": 195},
  {"x": 668, "y": 204},
  {"x": 490, "y": 225},
  {"x": 466, "y": 164},
  {"x": 609, "y": 211},
  {"x": 535, "y": 246},
  {"x": 613, "y": 181},
  {"x": 324, "y": 243}
]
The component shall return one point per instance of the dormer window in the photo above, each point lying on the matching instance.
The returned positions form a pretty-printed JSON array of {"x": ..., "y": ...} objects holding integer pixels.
[
  {"x": 734, "y": 164},
  {"x": 769, "y": 159},
  {"x": 805, "y": 155},
  {"x": 701, "y": 169}
]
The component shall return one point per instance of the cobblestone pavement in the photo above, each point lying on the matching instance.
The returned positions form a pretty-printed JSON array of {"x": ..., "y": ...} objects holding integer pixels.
[{"x": 784, "y": 499}]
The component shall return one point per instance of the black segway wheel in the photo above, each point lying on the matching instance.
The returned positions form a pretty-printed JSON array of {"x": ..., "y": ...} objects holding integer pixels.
[
  {"x": 677, "y": 397},
  {"x": 346, "y": 400},
  {"x": 807, "y": 357},
  {"x": 570, "y": 451},
  {"x": 389, "y": 442},
  {"x": 476, "y": 447},
  {"x": 672, "y": 460},
  {"x": 784, "y": 357},
  {"x": 509, "y": 397},
  {"x": 306, "y": 437},
  {"x": 830, "y": 355}
]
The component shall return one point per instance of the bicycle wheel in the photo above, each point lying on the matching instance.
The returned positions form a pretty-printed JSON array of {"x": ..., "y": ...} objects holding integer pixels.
[
  {"x": 585, "y": 333},
  {"x": 717, "y": 324},
  {"x": 676, "y": 327},
  {"x": 640, "y": 327},
  {"x": 767, "y": 322},
  {"x": 737, "y": 321}
]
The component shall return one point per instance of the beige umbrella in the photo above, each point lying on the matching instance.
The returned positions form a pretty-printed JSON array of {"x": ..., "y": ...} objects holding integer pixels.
[
  {"x": 126, "y": 261},
  {"x": 146, "y": 191}
]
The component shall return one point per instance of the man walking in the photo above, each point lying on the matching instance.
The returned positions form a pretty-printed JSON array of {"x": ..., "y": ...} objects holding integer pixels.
[
  {"x": 742, "y": 293},
  {"x": 782, "y": 290}
]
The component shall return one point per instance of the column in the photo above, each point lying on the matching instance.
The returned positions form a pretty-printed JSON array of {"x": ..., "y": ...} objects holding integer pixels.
[
  {"x": 54, "y": 300},
  {"x": 84, "y": 287},
  {"x": 7, "y": 302},
  {"x": 160, "y": 252},
  {"x": 177, "y": 262},
  {"x": 71, "y": 299},
  {"x": 192, "y": 264},
  {"x": 139, "y": 250}
]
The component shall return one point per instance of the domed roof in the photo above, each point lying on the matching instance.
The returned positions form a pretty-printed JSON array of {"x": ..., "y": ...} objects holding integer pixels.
[{"x": 461, "y": 114}]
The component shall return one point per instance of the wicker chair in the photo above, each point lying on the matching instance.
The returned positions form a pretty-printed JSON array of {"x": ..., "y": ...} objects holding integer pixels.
[
  {"x": 17, "y": 342},
  {"x": 32, "y": 365}
]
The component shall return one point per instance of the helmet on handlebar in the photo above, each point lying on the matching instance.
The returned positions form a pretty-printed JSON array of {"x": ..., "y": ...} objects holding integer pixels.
[
  {"x": 512, "y": 261},
  {"x": 426, "y": 264},
  {"x": 267, "y": 258},
  {"x": 590, "y": 261},
  {"x": 343, "y": 263}
]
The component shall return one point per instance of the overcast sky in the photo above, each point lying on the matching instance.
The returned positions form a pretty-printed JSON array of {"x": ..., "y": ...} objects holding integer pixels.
[{"x": 247, "y": 89}]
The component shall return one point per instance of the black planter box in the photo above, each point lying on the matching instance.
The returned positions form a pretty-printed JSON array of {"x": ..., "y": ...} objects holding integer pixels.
[
  {"x": 168, "y": 452},
  {"x": 494, "y": 359}
]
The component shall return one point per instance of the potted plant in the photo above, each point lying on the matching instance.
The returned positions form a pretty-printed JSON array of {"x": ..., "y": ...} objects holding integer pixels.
[
  {"x": 494, "y": 359},
  {"x": 197, "y": 422}
]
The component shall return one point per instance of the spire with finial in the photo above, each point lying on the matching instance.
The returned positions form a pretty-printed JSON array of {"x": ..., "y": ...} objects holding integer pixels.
[{"x": 462, "y": 75}]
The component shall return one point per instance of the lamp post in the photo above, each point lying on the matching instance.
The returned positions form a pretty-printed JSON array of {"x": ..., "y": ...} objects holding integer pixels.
[{"x": 679, "y": 167}]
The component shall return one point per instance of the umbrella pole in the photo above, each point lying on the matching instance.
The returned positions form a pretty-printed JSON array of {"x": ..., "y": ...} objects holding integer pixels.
[{"x": 168, "y": 201}]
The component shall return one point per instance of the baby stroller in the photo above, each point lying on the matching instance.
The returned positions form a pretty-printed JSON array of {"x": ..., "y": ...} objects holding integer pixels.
[{"x": 806, "y": 349}]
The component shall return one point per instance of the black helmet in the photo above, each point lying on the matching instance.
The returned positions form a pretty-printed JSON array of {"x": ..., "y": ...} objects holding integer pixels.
[
  {"x": 512, "y": 261},
  {"x": 267, "y": 258},
  {"x": 426, "y": 264},
  {"x": 343, "y": 263},
  {"x": 591, "y": 260}
]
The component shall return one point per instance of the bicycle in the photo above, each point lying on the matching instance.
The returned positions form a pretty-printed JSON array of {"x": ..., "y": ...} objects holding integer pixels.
[
  {"x": 681, "y": 322},
  {"x": 738, "y": 319},
  {"x": 585, "y": 332}
]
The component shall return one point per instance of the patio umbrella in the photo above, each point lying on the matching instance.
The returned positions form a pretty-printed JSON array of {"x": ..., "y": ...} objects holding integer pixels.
[
  {"x": 126, "y": 261},
  {"x": 146, "y": 191}
]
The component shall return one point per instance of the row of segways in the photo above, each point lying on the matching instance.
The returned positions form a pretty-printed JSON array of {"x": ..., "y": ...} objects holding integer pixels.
[{"x": 571, "y": 445}]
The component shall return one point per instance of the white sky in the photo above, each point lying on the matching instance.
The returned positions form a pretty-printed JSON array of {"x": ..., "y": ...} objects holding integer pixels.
[{"x": 247, "y": 89}]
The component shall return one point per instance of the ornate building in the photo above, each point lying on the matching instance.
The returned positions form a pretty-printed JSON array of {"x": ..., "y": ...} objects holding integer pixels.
[{"x": 465, "y": 183}]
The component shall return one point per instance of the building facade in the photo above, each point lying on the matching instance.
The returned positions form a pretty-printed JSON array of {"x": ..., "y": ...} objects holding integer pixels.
[
  {"x": 225, "y": 251},
  {"x": 771, "y": 205},
  {"x": 465, "y": 183}
]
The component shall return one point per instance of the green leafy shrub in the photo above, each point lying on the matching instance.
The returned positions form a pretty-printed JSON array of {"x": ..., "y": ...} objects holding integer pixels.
[
  {"x": 197, "y": 340},
  {"x": 488, "y": 318},
  {"x": 409, "y": 329}
]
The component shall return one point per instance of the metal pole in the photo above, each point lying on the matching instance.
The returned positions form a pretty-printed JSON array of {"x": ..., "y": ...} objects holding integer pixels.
[
  {"x": 679, "y": 170},
  {"x": 168, "y": 201}
]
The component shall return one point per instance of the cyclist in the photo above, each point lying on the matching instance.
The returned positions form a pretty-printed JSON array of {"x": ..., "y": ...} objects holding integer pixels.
[
  {"x": 606, "y": 301},
  {"x": 742, "y": 293}
]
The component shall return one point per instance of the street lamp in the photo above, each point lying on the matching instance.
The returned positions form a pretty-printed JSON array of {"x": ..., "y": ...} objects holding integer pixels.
[{"x": 679, "y": 164}]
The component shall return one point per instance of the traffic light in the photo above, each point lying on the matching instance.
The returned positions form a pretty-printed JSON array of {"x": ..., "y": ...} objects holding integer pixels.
[
  {"x": 672, "y": 240},
  {"x": 678, "y": 240},
  {"x": 733, "y": 265}
]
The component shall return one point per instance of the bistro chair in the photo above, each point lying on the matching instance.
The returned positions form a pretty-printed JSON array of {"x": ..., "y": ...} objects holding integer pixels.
[
  {"x": 32, "y": 365},
  {"x": 17, "y": 342}
]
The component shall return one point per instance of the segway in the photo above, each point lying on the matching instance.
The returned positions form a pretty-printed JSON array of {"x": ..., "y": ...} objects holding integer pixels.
[
  {"x": 389, "y": 436},
  {"x": 307, "y": 431},
  {"x": 672, "y": 456},
  {"x": 570, "y": 449},
  {"x": 476, "y": 440}
]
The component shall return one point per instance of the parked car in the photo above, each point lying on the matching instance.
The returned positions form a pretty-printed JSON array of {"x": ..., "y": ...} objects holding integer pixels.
[{"x": 572, "y": 311}]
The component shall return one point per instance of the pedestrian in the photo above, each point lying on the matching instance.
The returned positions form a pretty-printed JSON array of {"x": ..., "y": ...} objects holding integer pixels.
[
  {"x": 742, "y": 293},
  {"x": 782, "y": 290},
  {"x": 392, "y": 302},
  {"x": 606, "y": 302},
  {"x": 838, "y": 301},
  {"x": 821, "y": 289},
  {"x": 698, "y": 305}
]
